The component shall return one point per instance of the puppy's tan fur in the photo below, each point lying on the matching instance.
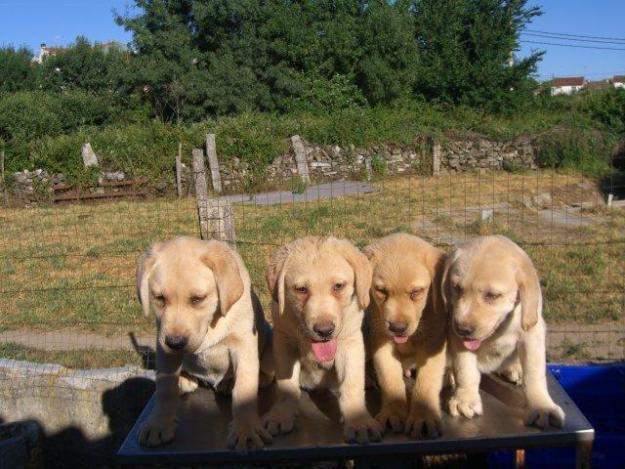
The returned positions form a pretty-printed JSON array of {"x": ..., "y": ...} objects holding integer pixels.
[
  {"x": 302, "y": 277},
  {"x": 493, "y": 294},
  {"x": 407, "y": 273},
  {"x": 201, "y": 291}
]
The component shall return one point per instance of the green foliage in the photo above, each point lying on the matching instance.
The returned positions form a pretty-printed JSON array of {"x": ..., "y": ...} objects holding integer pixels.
[
  {"x": 608, "y": 108},
  {"x": 16, "y": 71},
  {"x": 465, "y": 46},
  {"x": 581, "y": 149}
]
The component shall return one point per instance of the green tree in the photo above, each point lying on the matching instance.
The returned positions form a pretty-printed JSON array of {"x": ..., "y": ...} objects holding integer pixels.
[
  {"x": 465, "y": 48},
  {"x": 16, "y": 71}
]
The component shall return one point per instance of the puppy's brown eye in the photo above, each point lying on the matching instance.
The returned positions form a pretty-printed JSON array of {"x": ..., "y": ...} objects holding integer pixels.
[
  {"x": 196, "y": 300},
  {"x": 458, "y": 288},
  {"x": 491, "y": 296},
  {"x": 337, "y": 287},
  {"x": 301, "y": 290},
  {"x": 160, "y": 299},
  {"x": 414, "y": 294},
  {"x": 381, "y": 293}
]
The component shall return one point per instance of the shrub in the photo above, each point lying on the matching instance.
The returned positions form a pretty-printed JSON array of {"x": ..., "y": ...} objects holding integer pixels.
[{"x": 581, "y": 149}]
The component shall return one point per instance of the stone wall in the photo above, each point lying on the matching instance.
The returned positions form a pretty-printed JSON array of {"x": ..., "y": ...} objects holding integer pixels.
[
  {"x": 84, "y": 414},
  {"x": 331, "y": 163}
]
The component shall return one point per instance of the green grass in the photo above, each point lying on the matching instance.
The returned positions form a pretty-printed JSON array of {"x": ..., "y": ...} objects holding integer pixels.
[
  {"x": 78, "y": 359},
  {"x": 78, "y": 271}
]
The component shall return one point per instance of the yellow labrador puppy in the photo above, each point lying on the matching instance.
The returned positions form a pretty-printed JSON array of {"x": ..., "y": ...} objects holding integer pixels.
[
  {"x": 495, "y": 303},
  {"x": 406, "y": 329},
  {"x": 320, "y": 287},
  {"x": 210, "y": 326}
]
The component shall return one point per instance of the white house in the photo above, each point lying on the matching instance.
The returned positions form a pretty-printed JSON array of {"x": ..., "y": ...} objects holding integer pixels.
[
  {"x": 46, "y": 51},
  {"x": 619, "y": 81},
  {"x": 566, "y": 85}
]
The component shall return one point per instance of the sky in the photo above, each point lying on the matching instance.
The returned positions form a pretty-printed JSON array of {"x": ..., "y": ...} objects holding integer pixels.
[{"x": 58, "y": 22}]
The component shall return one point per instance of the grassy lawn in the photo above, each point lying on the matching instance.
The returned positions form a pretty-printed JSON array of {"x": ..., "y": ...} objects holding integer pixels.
[
  {"x": 71, "y": 359},
  {"x": 73, "y": 266}
]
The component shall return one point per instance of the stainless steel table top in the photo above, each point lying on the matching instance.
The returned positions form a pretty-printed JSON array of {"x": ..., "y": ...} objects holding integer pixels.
[{"x": 203, "y": 423}]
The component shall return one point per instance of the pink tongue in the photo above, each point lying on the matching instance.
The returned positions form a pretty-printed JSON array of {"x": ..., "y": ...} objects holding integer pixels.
[
  {"x": 472, "y": 344},
  {"x": 400, "y": 339},
  {"x": 324, "y": 351}
]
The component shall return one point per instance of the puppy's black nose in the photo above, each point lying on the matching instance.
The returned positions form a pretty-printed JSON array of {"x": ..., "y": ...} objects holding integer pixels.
[
  {"x": 176, "y": 342},
  {"x": 324, "y": 329},
  {"x": 463, "y": 330},
  {"x": 398, "y": 327}
]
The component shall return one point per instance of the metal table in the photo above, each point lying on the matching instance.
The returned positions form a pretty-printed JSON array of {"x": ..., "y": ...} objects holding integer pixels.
[{"x": 204, "y": 417}]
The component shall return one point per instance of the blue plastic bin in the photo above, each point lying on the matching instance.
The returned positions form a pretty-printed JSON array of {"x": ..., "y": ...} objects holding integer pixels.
[{"x": 599, "y": 392}]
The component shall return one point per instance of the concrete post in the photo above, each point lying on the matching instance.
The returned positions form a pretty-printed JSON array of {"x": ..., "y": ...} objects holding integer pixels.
[
  {"x": 436, "y": 158},
  {"x": 300, "y": 158},
  {"x": 213, "y": 163},
  {"x": 217, "y": 220},
  {"x": 179, "y": 171},
  {"x": 199, "y": 174}
]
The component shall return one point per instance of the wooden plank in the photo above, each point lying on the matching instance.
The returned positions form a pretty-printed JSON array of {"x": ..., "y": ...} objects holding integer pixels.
[
  {"x": 300, "y": 158},
  {"x": 213, "y": 163},
  {"x": 69, "y": 197}
]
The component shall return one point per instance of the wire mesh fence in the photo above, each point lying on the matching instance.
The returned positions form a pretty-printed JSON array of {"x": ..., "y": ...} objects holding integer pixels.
[
  {"x": 76, "y": 351},
  {"x": 68, "y": 272}
]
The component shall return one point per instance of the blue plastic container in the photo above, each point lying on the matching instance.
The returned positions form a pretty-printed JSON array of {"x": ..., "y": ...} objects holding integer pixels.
[{"x": 599, "y": 392}]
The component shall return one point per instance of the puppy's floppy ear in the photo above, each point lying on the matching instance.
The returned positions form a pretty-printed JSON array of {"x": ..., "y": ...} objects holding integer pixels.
[
  {"x": 145, "y": 266},
  {"x": 362, "y": 270},
  {"x": 529, "y": 292},
  {"x": 275, "y": 273},
  {"x": 436, "y": 265},
  {"x": 445, "y": 283},
  {"x": 220, "y": 259}
]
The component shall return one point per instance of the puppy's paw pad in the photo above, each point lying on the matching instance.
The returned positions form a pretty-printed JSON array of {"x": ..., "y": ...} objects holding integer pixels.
[
  {"x": 542, "y": 416},
  {"x": 362, "y": 430},
  {"x": 187, "y": 385},
  {"x": 424, "y": 424},
  {"x": 156, "y": 431},
  {"x": 512, "y": 374},
  {"x": 248, "y": 436},
  {"x": 278, "y": 422},
  {"x": 393, "y": 417},
  {"x": 465, "y": 403}
]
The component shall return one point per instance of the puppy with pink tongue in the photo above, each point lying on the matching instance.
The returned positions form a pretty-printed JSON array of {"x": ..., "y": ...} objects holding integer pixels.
[
  {"x": 320, "y": 288},
  {"x": 493, "y": 296},
  {"x": 406, "y": 329}
]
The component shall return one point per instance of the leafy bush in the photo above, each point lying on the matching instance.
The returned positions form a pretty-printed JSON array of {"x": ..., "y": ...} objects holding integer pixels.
[
  {"x": 580, "y": 149},
  {"x": 608, "y": 108}
]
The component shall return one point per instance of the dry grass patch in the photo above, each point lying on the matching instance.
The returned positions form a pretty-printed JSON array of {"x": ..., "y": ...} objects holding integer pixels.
[{"x": 74, "y": 265}]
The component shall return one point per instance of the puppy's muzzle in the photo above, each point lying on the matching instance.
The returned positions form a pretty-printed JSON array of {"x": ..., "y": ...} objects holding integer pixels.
[
  {"x": 398, "y": 327},
  {"x": 324, "y": 329},
  {"x": 463, "y": 330},
  {"x": 176, "y": 342}
]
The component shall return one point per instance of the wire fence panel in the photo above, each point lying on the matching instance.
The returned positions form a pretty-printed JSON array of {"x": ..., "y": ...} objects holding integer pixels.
[{"x": 70, "y": 269}]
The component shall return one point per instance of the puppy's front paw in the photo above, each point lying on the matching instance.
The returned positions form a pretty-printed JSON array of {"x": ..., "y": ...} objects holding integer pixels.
[
  {"x": 392, "y": 415},
  {"x": 186, "y": 384},
  {"x": 279, "y": 419},
  {"x": 543, "y": 415},
  {"x": 157, "y": 430},
  {"x": 512, "y": 374},
  {"x": 424, "y": 423},
  {"x": 465, "y": 402},
  {"x": 248, "y": 434},
  {"x": 362, "y": 430}
]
